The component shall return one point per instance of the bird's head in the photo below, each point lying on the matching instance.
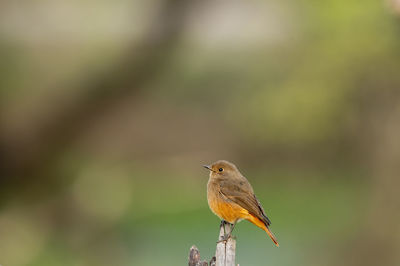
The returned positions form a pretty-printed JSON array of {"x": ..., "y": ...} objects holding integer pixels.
[{"x": 221, "y": 169}]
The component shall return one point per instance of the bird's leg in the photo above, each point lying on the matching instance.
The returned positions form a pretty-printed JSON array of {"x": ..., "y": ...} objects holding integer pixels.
[
  {"x": 232, "y": 227},
  {"x": 227, "y": 236},
  {"x": 223, "y": 222}
]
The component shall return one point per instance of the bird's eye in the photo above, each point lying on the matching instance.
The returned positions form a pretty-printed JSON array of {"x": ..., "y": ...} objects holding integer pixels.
[{"x": 220, "y": 169}]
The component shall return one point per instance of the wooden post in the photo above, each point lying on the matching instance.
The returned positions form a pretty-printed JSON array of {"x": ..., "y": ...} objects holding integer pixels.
[
  {"x": 226, "y": 250},
  {"x": 224, "y": 254},
  {"x": 194, "y": 258}
]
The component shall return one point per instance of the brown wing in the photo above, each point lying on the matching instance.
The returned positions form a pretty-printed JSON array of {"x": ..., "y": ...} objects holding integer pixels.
[{"x": 240, "y": 192}]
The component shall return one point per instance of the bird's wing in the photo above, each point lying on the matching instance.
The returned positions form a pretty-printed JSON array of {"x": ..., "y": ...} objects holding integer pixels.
[
  {"x": 266, "y": 219},
  {"x": 240, "y": 192}
]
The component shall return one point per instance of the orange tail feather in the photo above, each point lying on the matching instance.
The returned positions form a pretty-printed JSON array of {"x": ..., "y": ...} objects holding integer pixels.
[{"x": 261, "y": 224}]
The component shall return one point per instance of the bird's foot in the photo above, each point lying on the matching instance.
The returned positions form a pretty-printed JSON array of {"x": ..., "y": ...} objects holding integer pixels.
[
  {"x": 222, "y": 223},
  {"x": 225, "y": 238}
]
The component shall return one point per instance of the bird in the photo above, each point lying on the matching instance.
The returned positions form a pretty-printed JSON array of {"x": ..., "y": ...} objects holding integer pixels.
[{"x": 231, "y": 197}]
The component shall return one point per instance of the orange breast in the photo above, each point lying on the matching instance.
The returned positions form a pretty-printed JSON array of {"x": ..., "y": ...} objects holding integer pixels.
[{"x": 230, "y": 212}]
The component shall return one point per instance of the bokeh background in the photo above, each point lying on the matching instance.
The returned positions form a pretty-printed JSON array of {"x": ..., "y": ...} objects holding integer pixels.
[{"x": 109, "y": 108}]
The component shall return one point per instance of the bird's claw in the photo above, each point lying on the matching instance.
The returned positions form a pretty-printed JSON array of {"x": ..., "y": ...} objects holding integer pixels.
[{"x": 226, "y": 238}]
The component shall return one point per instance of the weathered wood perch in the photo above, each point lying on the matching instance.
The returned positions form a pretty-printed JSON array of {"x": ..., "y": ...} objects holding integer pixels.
[
  {"x": 194, "y": 258},
  {"x": 224, "y": 254}
]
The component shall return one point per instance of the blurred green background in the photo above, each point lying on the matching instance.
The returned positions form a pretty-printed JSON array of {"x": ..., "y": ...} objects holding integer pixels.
[{"x": 108, "y": 109}]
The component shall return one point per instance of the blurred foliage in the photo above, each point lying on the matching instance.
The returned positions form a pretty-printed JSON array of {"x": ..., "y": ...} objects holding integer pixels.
[{"x": 108, "y": 110}]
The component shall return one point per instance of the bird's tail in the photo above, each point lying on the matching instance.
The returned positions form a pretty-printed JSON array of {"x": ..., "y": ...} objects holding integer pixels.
[{"x": 263, "y": 226}]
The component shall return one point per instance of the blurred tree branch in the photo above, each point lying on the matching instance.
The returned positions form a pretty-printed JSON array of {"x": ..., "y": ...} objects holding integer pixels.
[{"x": 36, "y": 156}]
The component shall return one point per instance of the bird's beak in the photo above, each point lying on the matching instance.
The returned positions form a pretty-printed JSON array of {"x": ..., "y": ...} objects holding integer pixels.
[{"x": 207, "y": 167}]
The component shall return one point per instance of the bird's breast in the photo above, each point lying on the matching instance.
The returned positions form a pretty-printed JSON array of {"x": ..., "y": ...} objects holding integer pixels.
[{"x": 224, "y": 209}]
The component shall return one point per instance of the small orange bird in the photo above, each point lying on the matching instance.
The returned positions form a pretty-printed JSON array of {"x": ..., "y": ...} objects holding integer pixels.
[{"x": 231, "y": 197}]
